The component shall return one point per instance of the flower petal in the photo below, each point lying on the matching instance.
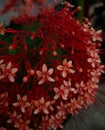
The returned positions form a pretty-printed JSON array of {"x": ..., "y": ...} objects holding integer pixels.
[
  {"x": 72, "y": 71},
  {"x": 59, "y": 67},
  {"x": 14, "y": 70},
  {"x": 9, "y": 65},
  {"x": 24, "y": 98},
  {"x": 64, "y": 74},
  {"x": 23, "y": 109},
  {"x": 39, "y": 73},
  {"x": 69, "y": 63},
  {"x": 51, "y": 79},
  {"x": 56, "y": 96},
  {"x": 41, "y": 81},
  {"x": 11, "y": 78},
  {"x": 42, "y": 100},
  {"x": 50, "y": 71},
  {"x": 36, "y": 111},
  {"x": 45, "y": 111},
  {"x": 44, "y": 68},
  {"x": 16, "y": 104},
  {"x": 65, "y": 62}
]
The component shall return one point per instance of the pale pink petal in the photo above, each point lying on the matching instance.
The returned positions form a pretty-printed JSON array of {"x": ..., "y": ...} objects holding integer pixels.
[
  {"x": 72, "y": 71},
  {"x": 41, "y": 81},
  {"x": 27, "y": 104},
  {"x": 11, "y": 78},
  {"x": 24, "y": 98},
  {"x": 56, "y": 96},
  {"x": 62, "y": 87},
  {"x": 45, "y": 111},
  {"x": 23, "y": 109},
  {"x": 44, "y": 68},
  {"x": 18, "y": 97},
  {"x": 65, "y": 62},
  {"x": 39, "y": 73},
  {"x": 64, "y": 74},
  {"x": 36, "y": 111},
  {"x": 14, "y": 70},
  {"x": 1, "y": 61},
  {"x": 27, "y": 122},
  {"x": 9, "y": 65},
  {"x": 16, "y": 104},
  {"x": 69, "y": 63},
  {"x": 65, "y": 96},
  {"x": 42, "y": 100},
  {"x": 59, "y": 67},
  {"x": 50, "y": 71},
  {"x": 9, "y": 121},
  {"x": 89, "y": 59},
  {"x": 47, "y": 104},
  {"x": 17, "y": 125},
  {"x": 51, "y": 79},
  {"x": 56, "y": 90}
]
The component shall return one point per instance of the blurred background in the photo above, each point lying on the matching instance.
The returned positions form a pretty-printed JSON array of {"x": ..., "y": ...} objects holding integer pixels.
[{"x": 94, "y": 10}]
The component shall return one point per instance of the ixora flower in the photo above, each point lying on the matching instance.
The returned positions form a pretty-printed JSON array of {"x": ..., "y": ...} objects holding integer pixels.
[{"x": 50, "y": 67}]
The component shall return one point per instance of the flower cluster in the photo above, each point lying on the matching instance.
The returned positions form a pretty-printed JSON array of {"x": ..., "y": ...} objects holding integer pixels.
[{"x": 49, "y": 68}]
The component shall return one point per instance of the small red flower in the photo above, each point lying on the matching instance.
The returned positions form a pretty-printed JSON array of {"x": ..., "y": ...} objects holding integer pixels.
[
  {"x": 22, "y": 103},
  {"x": 66, "y": 68},
  {"x": 45, "y": 74},
  {"x": 50, "y": 66}
]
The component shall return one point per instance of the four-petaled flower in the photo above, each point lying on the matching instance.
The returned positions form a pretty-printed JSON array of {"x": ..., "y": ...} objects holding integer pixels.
[
  {"x": 22, "y": 103},
  {"x": 45, "y": 74},
  {"x": 66, "y": 68},
  {"x": 41, "y": 105},
  {"x": 61, "y": 92}
]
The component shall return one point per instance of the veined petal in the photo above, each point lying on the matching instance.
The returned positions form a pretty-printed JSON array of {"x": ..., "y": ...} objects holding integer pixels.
[
  {"x": 44, "y": 68},
  {"x": 50, "y": 71}
]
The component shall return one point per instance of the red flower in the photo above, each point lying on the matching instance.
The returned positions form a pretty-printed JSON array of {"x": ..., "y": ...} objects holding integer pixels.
[{"x": 50, "y": 66}]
